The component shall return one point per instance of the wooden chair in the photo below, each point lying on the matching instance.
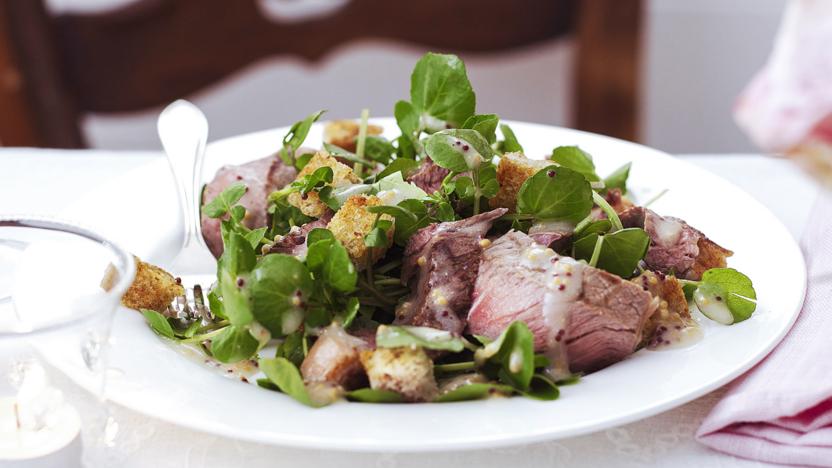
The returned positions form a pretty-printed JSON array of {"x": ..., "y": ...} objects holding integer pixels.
[{"x": 55, "y": 68}]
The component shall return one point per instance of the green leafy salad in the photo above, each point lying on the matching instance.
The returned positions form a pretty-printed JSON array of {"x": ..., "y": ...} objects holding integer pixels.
[{"x": 360, "y": 284}]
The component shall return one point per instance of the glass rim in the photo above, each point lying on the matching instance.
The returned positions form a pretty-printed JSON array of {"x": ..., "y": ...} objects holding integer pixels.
[{"x": 124, "y": 264}]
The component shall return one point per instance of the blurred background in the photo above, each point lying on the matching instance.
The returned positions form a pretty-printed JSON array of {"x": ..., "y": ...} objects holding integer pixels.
[{"x": 662, "y": 72}]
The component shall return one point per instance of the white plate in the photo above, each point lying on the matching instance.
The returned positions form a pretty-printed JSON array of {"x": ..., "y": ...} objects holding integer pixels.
[{"x": 154, "y": 379}]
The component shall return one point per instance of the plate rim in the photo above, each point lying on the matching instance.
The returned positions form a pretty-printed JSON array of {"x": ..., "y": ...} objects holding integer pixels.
[{"x": 307, "y": 441}]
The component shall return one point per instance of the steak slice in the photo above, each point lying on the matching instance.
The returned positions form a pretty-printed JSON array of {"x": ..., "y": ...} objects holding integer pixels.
[
  {"x": 582, "y": 317},
  {"x": 335, "y": 359},
  {"x": 440, "y": 265},
  {"x": 429, "y": 176},
  {"x": 261, "y": 177},
  {"x": 294, "y": 243},
  {"x": 675, "y": 247}
]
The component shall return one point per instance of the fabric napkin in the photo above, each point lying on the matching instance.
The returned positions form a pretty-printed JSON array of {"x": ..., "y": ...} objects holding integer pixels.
[{"x": 781, "y": 411}]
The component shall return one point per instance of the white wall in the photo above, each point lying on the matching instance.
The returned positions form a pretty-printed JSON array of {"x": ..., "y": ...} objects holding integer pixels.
[{"x": 698, "y": 56}]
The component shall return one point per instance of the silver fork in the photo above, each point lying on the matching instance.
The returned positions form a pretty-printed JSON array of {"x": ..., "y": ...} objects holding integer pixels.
[{"x": 183, "y": 130}]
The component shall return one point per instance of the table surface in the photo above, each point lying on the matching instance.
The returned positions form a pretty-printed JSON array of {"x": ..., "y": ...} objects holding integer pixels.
[{"x": 45, "y": 182}]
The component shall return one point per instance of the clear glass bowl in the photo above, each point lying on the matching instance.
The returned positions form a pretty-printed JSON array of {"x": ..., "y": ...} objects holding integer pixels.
[{"x": 55, "y": 318}]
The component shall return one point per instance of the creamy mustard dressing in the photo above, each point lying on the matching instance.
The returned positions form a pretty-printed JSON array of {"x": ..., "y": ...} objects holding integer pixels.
[
  {"x": 563, "y": 281},
  {"x": 713, "y": 308},
  {"x": 473, "y": 159}
]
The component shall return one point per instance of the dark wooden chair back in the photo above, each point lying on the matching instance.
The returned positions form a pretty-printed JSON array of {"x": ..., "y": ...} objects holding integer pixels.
[{"x": 55, "y": 68}]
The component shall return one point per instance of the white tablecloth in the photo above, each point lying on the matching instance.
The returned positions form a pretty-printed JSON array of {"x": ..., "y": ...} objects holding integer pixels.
[{"x": 48, "y": 181}]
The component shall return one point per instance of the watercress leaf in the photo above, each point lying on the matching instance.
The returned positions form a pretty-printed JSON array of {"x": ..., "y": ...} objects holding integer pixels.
[
  {"x": 317, "y": 316},
  {"x": 292, "y": 348},
  {"x": 234, "y": 344},
  {"x": 405, "y": 148},
  {"x": 319, "y": 234},
  {"x": 620, "y": 252},
  {"x": 458, "y": 150},
  {"x": 407, "y": 119},
  {"x": 689, "y": 289},
  {"x": 372, "y": 395},
  {"x": 215, "y": 304},
  {"x": 255, "y": 236},
  {"x": 618, "y": 178},
  {"x": 576, "y": 159},
  {"x": 350, "y": 311},
  {"x": 439, "y": 87},
  {"x": 191, "y": 330},
  {"x": 485, "y": 124},
  {"x": 302, "y": 160},
  {"x": 329, "y": 261},
  {"x": 296, "y": 136},
  {"x": 235, "y": 300},
  {"x": 379, "y": 149},
  {"x": 542, "y": 388},
  {"x": 406, "y": 224},
  {"x": 474, "y": 391},
  {"x": 513, "y": 353},
  {"x": 377, "y": 237},
  {"x": 509, "y": 144},
  {"x": 238, "y": 213},
  {"x": 325, "y": 194},
  {"x": 489, "y": 186},
  {"x": 445, "y": 212},
  {"x": 320, "y": 177},
  {"x": 597, "y": 226},
  {"x": 401, "y": 165},
  {"x": 222, "y": 203},
  {"x": 238, "y": 256},
  {"x": 287, "y": 378},
  {"x": 464, "y": 187},
  {"x": 555, "y": 193},
  {"x": 395, "y": 211},
  {"x": 158, "y": 323},
  {"x": 279, "y": 287},
  {"x": 728, "y": 286},
  {"x": 394, "y": 336}
]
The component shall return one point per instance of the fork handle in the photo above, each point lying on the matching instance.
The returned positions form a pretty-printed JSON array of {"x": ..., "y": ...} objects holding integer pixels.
[{"x": 183, "y": 130}]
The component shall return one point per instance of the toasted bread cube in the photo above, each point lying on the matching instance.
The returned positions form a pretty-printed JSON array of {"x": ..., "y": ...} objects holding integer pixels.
[
  {"x": 153, "y": 288},
  {"x": 513, "y": 170},
  {"x": 407, "y": 371},
  {"x": 343, "y": 133},
  {"x": 311, "y": 204},
  {"x": 711, "y": 255},
  {"x": 352, "y": 222},
  {"x": 671, "y": 306}
]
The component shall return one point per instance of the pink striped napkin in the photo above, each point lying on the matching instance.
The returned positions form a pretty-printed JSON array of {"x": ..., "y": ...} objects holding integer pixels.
[{"x": 781, "y": 411}]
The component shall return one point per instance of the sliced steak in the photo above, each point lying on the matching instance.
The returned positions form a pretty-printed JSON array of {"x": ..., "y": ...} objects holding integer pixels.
[
  {"x": 556, "y": 235},
  {"x": 582, "y": 317},
  {"x": 429, "y": 176},
  {"x": 261, "y": 176},
  {"x": 294, "y": 243},
  {"x": 335, "y": 359},
  {"x": 440, "y": 265},
  {"x": 675, "y": 247}
]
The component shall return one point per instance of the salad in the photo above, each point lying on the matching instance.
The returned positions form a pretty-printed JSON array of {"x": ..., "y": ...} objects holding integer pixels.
[{"x": 442, "y": 265}]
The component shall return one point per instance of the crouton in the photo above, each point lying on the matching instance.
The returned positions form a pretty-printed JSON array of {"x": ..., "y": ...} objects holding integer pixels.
[
  {"x": 153, "y": 288},
  {"x": 311, "y": 204},
  {"x": 344, "y": 132},
  {"x": 407, "y": 371},
  {"x": 711, "y": 255},
  {"x": 670, "y": 303},
  {"x": 352, "y": 222},
  {"x": 513, "y": 170}
]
